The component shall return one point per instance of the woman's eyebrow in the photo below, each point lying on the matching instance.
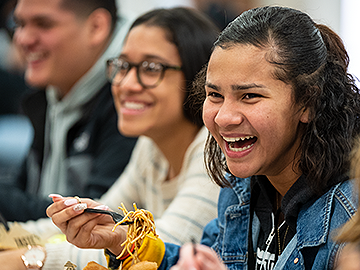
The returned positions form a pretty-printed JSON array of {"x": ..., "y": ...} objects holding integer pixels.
[
  {"x": 238, "y": 87},
  {"x": 152, "y": 57},
  {"x": 212, "y": 86},
  {"x": 235, "y": 87}
]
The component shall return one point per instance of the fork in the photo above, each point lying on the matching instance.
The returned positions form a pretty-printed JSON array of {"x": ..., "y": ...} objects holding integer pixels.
[{"x": 115, "y": 216}]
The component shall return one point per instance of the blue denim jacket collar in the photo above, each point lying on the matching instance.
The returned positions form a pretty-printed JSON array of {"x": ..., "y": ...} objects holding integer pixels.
[
  {"x": 319, "y": 212},
  {"x": 241, "y": 187}
]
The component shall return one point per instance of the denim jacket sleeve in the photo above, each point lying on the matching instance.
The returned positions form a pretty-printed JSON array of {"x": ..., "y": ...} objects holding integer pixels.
[{"x": 172, "y": 251}]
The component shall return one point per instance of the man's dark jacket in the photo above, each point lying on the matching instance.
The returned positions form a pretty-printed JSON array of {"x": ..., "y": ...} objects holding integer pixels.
[{"x": 96, "y": 155}]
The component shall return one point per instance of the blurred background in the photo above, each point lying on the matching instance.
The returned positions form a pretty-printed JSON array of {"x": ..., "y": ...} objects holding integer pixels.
[
  {"x": 338, "y": 14},
  {"x": 16, "y": 131}
]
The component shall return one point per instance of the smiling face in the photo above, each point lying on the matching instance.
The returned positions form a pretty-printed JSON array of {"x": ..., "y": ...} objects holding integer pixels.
[
  {"x": 54, "y": 42},
  {"x": 154, "y": 112},
  {"x": 251, "y": 114}
]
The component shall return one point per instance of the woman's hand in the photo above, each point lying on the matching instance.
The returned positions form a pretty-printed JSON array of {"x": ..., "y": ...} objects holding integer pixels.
[
  {"x": 198, "y": 257},
  {"x": 85, "y": 230}
]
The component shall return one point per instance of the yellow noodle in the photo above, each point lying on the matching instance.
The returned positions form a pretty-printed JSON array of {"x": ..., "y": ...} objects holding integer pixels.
[{"x": 143, "y": 224}]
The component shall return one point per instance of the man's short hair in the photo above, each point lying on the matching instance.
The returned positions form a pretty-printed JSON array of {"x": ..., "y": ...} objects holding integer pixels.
[{"x": 86, "y": 7}]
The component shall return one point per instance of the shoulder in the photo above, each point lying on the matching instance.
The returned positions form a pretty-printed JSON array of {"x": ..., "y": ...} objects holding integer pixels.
[
  {"x": 340, "y": 196},
  {"x": 327, "y": 213},
  {"x": 347, "y": 188},
  {"x": 345, "y": 197}
]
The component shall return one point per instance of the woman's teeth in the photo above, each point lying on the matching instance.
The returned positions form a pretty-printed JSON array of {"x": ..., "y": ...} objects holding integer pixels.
[
  {"x": 235, "y": 139},
  {"x": 34, "y": 56},
  {"x": 235, "y": 143},
  {"x": 134, "y": 105},
  {"x": 235, "y": 149}
]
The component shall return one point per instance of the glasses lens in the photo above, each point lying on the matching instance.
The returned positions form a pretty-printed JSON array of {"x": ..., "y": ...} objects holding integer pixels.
[
  {"x": 150, "y": 73},
  {"x": 117, "y": 70}
]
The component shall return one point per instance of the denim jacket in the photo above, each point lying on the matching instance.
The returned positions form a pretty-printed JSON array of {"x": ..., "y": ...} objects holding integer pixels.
[{"x": 228, "y": 234}]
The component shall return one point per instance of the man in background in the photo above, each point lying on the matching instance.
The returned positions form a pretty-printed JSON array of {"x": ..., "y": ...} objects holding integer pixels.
[{"x": 77, "y": 149}]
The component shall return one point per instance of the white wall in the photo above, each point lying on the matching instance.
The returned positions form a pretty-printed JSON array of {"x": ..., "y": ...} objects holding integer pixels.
[
  {"x": 322, "y": 11},
  {"x": 137, "y": 7},
  {"x": 349, "y": 29},
  {"x": 339, "y": 15}
]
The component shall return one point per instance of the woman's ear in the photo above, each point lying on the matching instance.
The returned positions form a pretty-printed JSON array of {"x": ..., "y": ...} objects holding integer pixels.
[
  {"x": 99, "y": 26},
  {"x": 305, "y": 115}
]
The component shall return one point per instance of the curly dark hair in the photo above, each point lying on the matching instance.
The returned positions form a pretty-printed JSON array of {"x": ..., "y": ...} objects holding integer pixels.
[{"x": 312, "y": 59}]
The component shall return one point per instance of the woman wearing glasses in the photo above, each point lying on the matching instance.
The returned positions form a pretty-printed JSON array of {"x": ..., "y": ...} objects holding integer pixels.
[{"x": 151, "y": 84}]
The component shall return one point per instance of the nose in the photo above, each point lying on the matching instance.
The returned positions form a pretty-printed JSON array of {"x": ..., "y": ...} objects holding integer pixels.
[
  {"x": 24, "y": 37},
  {"x": 229, "y": 114},
  {"x": 131, "y": 82}
]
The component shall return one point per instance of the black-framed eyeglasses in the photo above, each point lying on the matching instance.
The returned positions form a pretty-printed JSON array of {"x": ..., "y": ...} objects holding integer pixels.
[{"x": 149, "y": 73}]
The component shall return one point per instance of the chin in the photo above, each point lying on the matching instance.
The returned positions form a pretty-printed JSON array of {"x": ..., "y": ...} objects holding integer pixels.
[
  {"x": 35, "y": 82},
  {"x": 238, "y": 172},
  {"x": 129, "y": 132}
]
